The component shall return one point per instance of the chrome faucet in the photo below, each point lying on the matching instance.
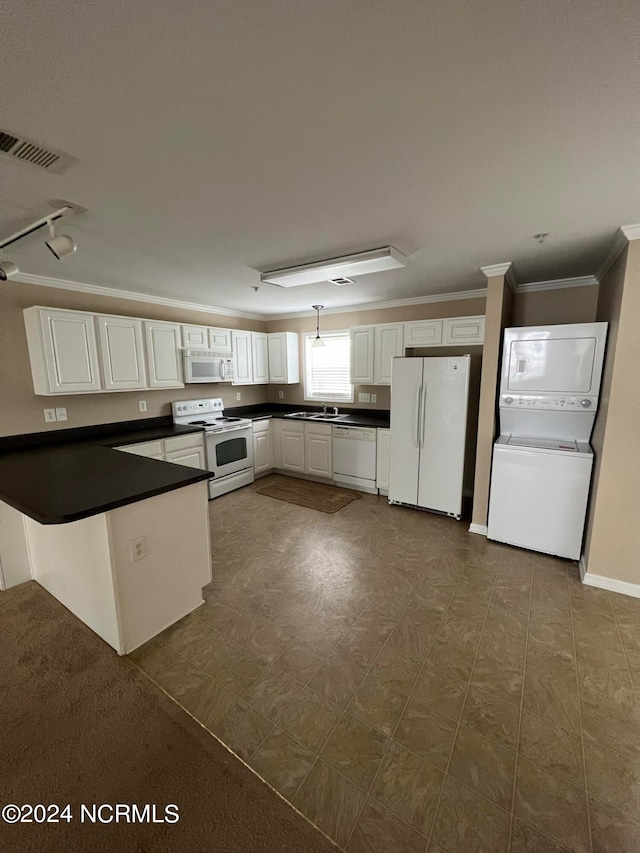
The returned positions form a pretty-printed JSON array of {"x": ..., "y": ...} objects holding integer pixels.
[
  {"x": 324, "y": 408},
  {"x": 335, "y": 411}
]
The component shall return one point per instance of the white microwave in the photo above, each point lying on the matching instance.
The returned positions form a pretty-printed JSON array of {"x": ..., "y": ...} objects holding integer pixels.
[{"x": 207, "y": 366}]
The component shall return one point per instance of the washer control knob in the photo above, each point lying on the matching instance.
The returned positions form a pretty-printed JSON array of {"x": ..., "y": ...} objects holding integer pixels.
[
  {"x": 508, "y": 400},
  {"x": 586, "y": 404}
]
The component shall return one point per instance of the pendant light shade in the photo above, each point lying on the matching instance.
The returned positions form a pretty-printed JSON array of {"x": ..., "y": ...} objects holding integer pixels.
[{"x": 318, "y": 342}]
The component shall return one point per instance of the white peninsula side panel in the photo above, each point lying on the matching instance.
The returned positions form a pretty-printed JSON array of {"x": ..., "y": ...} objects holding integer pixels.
[{"x": 87, "y": 565}]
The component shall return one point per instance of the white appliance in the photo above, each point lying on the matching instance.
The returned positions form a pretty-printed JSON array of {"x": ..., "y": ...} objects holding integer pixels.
[
  {"x": 542, "y": 461},
  {"x": 206, "y": 366},
  {"x": 354, "y": 457},
  {"x": 431, "y": 459},
  {"x": 228, "y": 443}
]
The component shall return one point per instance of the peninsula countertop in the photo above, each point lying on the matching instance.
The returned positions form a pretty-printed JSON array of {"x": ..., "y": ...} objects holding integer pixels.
[{"x": 66, "y": 475}]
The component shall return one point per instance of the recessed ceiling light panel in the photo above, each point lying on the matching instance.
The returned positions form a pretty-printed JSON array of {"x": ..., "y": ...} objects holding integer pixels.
[{"x": 376, "y": 260}]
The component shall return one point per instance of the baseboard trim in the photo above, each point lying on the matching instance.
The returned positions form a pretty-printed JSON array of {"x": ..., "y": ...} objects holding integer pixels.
[
  {"x": 481, "y": 529},
  {"x": 611, "y": 584}
]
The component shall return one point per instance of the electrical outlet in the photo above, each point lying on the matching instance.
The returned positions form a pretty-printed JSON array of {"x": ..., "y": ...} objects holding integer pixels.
[
  {"x": 238, "y": 395},
  {"x": 142, "y": 405},
  {"x": 138, "y": 548},
  {"x": 61, "y": 414},
  {"x": 374, "y": 398},
  {"x": 49, "y": 415},
  {"x": 364, "y": 398},
  {"x": 280, "y": 395}
]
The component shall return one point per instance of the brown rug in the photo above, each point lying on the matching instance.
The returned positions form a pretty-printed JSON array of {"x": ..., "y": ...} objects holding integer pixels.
[
  {"x": 320, "y": 496},
  {"x": 78, "y": 725}
]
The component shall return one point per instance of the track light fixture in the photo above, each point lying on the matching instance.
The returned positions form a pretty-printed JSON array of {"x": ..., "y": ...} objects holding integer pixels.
[
  {"x": 60, "y": 245},
  {"x": 8, "y": 270},
  {"x": 318, "y": 342}
]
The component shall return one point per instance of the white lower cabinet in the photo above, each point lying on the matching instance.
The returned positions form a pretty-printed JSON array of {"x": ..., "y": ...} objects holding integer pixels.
[
  {"x": 292, "y": 446},
  {"x": 262, "y": 447},
  {"x": 187, "y": 450},
  {"x": 318, "y": 459},
  {"x": 382, "y": 460}
]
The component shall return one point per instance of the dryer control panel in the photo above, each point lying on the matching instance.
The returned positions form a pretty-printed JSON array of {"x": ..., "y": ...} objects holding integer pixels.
[{"x": 572, "y": 403}]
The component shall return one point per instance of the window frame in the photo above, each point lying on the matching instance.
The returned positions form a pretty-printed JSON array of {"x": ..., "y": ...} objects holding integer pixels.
[{"x": 310, "y": 336}]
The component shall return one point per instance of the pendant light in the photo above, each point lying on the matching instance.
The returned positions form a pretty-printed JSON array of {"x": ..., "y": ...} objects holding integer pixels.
[{"x": 318, "y": 342}]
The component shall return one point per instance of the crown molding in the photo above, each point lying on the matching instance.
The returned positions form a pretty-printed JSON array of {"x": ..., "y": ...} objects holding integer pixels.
[
  {"x": 115, "y": 293},
  {"x": 392, "y": 303},
  {"x": 620, "y": 242},
  {"x": 631, "y": 232},
  {"x": 557, "y": 284},
  {"x": 505, "y": 270}
]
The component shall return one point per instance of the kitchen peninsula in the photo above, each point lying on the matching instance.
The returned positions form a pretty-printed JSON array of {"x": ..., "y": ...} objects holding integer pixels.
[{"x": 121, "y": 540}]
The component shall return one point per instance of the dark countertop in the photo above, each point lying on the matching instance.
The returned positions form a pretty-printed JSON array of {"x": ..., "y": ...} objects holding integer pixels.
[
  {"x": 74, "y": 474},
  {"x": 354, "y": 417}
]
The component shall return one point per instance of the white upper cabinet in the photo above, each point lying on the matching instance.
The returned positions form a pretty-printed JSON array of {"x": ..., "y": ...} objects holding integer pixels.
[
  {"x": 362, "y": 347},
  {"x": 284, "y": 359},
  {"x": 260, "y": 358},
  {"x": 388, "y": 345},
  {"x": 220, "y": 340},
  {"x": 63, "y": 351},
  {"x": 195, "y": 337},
  {"x": 423, "y": 333},
  {"x": 122, "y": 353},
  {"x": 164, "y": 356},
  {"x": 242, "y": 358},
  {"x": 464, "y": 330}
]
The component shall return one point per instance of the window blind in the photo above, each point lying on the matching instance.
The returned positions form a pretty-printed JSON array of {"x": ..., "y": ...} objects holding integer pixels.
[{"x": 327, "y": 368}]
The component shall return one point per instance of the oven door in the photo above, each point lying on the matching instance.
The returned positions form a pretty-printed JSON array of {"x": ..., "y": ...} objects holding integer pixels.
[{"x": 230, "y": 451}]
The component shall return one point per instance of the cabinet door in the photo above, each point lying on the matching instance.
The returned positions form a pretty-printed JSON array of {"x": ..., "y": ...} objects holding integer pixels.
[
  {"x": 260, "y": 358},
  {"x": 277, "y": 358},
  {"x": 164, "y": 357},
  {"x": 382, "y": 459},
  {"x": 423, "y": 333},
  {"x": 388, "y": 345},
  {"x": 317, "y": 455},
  {"x": 362, "y": 344},
  {"x": 122, "y": 353},
  {"x": 195, "y": 337},
  {"x": 262, "y": 452},
  {"x": 242, "y": 358},
  {"x": 464, "y": 330},
  {"x": 63, "y": 351},
  {"x": 220, "y": 340},
  {"x": 292, "y": 451},
  {"x": 193, "y": 458}
]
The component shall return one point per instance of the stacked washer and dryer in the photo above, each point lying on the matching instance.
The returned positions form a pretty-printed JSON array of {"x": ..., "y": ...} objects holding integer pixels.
[{"x": 542, "y": 460}]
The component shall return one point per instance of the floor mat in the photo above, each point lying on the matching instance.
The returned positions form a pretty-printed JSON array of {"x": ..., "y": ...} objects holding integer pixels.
[{"x": 307, "y": 493}]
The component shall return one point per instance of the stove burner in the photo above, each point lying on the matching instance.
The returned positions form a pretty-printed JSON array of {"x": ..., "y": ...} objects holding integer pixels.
[
  {"x": 228, "y": 420},
  {"x": 199, "y": 423}
]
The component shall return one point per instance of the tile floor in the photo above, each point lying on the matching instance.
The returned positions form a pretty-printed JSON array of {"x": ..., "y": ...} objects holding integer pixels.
[{"x": 409, "y": 686}]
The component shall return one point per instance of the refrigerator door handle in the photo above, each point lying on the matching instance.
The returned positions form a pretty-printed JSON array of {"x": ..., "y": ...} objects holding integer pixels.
[
  {"x": 424, "y": 415},
  {"x": 418, "y": 412}
]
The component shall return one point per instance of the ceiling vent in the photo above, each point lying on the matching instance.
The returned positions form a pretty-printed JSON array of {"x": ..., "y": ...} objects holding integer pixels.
[
  {"x": 35, "y": 153},
  {"x": 341, "y": 281}
]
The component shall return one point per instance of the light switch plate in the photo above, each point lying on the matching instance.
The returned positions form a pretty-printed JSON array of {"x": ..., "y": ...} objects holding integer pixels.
[
  {"x": 374, "y": 398},
  {"x": 61, "y": 414},
  {"x": 49, "y": 415},
  {"x": 238, "y": 395},
  {"x": 364, "y": 398}
]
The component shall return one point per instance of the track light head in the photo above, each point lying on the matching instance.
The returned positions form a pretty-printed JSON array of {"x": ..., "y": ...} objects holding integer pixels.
[
  {"x": 61, "y": 245},
  {"x": 8, "y": 270}
]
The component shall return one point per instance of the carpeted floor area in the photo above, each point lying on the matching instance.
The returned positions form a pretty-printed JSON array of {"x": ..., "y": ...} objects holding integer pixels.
[{"x": 80, "y": 725}]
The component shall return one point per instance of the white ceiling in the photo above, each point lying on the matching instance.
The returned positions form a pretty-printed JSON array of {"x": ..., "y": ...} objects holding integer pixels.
[{"x": 223, "y": 137}]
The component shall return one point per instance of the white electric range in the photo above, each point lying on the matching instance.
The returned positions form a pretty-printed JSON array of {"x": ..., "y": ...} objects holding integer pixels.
[{"x": 228, "y": 442}]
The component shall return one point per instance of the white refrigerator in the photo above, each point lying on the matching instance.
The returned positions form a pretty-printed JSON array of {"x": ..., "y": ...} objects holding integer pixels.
[{"x": 431, "y": 459}]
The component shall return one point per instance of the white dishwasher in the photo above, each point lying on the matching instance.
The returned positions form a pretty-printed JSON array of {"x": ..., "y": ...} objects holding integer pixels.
[{"x": 354, "y": 457}]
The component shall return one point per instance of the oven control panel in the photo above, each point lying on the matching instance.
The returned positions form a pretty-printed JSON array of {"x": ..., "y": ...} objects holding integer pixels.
[
  {"x": 568, "y": 402},
  {"x": 187, "y": 408}
]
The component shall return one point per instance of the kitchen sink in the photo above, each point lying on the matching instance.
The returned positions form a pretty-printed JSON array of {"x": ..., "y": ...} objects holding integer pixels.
[{"x": 313, "y": 416}]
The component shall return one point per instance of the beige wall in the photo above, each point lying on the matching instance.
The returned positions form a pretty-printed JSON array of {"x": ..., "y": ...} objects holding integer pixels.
[
  {"x": 21, "y": 410},
  {"x": 548, "y": 307},
  {"x": 612, "y": 545},
  {"x": 430, "y": 311},
  {"x": 499, "y": 305}
]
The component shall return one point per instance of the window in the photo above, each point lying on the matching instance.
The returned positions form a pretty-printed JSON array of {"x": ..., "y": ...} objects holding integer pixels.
[{"x": 327, "y": 369}]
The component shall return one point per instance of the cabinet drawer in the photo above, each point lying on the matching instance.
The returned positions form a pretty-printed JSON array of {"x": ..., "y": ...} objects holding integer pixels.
[
  {"x": 144, "y": 448},
  {"x": 261, "y": 426},
  {"x": 289, "y": 425},
  {"x": 317, "y": 428},
  {"x": 180, "y": 442}
]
